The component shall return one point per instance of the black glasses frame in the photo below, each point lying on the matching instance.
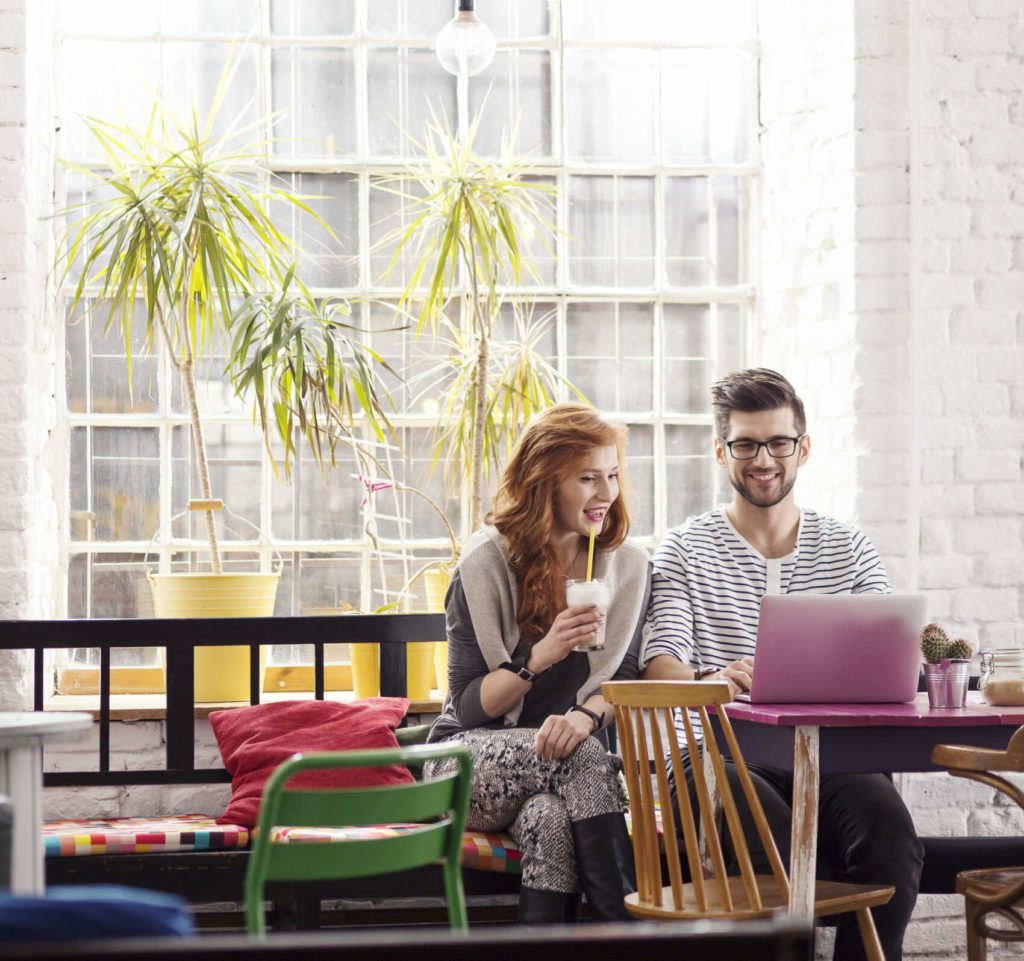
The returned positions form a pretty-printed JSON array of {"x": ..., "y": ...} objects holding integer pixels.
[{"x": 795, "y": 441}]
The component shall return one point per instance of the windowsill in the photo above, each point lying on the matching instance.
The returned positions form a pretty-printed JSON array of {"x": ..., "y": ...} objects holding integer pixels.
[{"x": 151, "y": 707}]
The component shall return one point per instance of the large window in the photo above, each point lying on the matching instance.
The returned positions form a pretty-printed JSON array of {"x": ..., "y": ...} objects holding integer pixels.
[{"x": 642, "y": 115}]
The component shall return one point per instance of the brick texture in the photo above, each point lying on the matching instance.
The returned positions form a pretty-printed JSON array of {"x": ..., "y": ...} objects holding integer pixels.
[{"x": 949, "y": 520}]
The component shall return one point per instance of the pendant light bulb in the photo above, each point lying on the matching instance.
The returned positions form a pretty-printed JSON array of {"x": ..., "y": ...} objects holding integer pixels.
[{"x": 465, "y": 45}]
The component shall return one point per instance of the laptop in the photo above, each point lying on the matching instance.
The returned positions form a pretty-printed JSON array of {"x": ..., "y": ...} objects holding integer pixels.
[{"x": 837, "y": 648}]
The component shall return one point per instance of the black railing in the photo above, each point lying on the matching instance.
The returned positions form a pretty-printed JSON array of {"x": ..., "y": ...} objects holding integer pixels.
[{"x": 179, "y": 638}]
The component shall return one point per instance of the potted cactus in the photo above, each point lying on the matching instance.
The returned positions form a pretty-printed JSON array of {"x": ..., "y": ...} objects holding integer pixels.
[{"x": 947, "y": 667}]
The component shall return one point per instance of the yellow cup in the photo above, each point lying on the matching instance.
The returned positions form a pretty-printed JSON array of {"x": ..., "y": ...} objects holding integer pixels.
[{"x": 365, "y": 669}]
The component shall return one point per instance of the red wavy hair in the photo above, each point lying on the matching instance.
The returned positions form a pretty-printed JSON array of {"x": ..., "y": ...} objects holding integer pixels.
[{"x": 551, "y": 448}]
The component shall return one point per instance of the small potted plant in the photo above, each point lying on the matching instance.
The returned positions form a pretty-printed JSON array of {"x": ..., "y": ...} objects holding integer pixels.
[{"x": 947, "y": 667}]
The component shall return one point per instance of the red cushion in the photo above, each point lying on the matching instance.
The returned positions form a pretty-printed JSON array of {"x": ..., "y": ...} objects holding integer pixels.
[{"x": 255, "y": 740}]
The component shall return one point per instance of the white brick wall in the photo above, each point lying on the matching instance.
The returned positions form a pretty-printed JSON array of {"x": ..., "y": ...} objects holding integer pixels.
[
  {"x": 913, "y": 377},
  {"x": 28, "y": 526}
]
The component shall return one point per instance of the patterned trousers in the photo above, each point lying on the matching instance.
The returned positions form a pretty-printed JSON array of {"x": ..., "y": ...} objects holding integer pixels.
[{"x": 535, "y": 800}]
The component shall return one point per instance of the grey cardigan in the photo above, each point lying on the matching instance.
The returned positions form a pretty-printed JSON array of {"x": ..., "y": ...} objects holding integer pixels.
[{"x": 485, "y": 588}]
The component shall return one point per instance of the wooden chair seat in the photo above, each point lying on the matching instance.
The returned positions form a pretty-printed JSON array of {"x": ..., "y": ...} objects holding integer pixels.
[
  {"x": 990, "y": 882},
  {"x": 830, "y": 897}
]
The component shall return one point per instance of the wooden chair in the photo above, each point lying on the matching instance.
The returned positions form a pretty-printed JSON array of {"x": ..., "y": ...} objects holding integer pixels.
[
  {"x": 989, "y": 893},
  {"x": 644, "y": 717},
  {"x": 440, "y": 802}
]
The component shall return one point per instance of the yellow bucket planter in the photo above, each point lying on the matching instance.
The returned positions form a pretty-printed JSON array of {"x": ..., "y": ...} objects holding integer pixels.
[
  {"x": 365, "y": 669},
  {"x": 436, "y": 586},
  {"x": 221, "y": 673}
]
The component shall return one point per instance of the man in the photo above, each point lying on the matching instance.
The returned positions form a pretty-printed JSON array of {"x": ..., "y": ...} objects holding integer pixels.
[{"x": 709, "y": 577}]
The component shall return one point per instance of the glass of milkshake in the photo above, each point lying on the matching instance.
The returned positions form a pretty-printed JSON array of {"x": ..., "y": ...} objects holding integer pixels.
[{"x": 595, "y": 593}]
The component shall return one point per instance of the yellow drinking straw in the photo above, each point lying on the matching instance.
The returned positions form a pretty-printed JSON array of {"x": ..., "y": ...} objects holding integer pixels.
[{"x": 590, "y": 555}]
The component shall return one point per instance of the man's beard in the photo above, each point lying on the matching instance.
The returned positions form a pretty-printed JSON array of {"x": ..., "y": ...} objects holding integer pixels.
[{"x": 767, "y": 500}]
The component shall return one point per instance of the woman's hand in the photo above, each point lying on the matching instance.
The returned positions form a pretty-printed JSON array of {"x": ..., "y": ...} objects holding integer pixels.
[
  {"x": 560, "y": 733},
  {"x": 572, "y": 626}
]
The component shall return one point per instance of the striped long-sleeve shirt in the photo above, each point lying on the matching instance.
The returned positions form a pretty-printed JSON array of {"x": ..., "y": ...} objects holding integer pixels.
[{"x": 708, "y": 583}]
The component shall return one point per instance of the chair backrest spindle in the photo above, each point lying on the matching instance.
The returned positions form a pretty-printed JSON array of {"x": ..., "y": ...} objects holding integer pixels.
[
  {"x": 675, "y": 872},
  {"x": 644, "y": 713}
]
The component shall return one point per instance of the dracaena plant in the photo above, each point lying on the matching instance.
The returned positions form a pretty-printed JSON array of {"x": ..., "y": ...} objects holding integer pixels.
[
  {"x": 181, "y": 224},
  {"x": 468, "y": 226}
]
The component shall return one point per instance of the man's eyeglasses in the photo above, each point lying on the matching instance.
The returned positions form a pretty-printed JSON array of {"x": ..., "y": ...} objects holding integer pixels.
[{"x": 776, "y": 447}]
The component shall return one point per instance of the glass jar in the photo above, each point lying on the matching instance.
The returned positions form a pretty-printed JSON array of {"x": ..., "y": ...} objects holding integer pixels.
[{"x": 1002, "y": 676}]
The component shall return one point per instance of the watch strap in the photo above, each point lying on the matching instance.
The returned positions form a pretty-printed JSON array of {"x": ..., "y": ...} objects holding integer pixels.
[
  {"x": 703, "y": 672},
  {"x": 593, "y": 715},
  {"x": 518, "y": 667}
]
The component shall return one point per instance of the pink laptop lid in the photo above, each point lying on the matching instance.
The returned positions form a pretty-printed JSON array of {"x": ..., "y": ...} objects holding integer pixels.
[{"x": 838, "y": 648}]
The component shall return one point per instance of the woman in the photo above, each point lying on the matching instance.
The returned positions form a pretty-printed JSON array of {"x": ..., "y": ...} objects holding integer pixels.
[{"x": 526, "y": 704}]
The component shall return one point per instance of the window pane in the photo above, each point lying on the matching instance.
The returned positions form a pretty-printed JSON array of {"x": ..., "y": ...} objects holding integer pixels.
[
  {"x": 610, "y": 105},
  {"x": 706, "y": 236},
  {"x": 119, "y": 17},
  {"x": 516, "y": 18},
  {"x": 403, "y": 85},
  {"x": 125, "y": 482},
  {"x": 640, "y": 464},
  {"x": 326, "y": 504},
  {"x": 192, "y": 73},
  {"x": 707, "y": 108},
  {"x": 514, "y": 91},
  {"x": 667, "y": 21},
  {"x": 123, "y": 90},
  {"x": 325, "y": 261},
  {"x": 313, "y": 90},
  {"x": 688, "y": 477},
  {"x": 610, "y": 354},
  {"x": 201, "y": 16},
  {"x": 408, "y": 17},
  {"x": 687, "y": 352},
  {"x": 611, "y": 222},
  {"x": 312, "y": 17}
]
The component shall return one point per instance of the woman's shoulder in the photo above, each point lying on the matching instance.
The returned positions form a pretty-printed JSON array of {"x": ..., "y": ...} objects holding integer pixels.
[
  {"x": 629, "y": 561},
  {"x": 485, "y": 556},
  {"x": 484, "y": 547},
  {"x": 632, "y": 553}
]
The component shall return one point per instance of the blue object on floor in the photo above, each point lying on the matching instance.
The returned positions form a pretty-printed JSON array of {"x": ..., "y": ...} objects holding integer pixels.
[{"x": 84, "y": 912}]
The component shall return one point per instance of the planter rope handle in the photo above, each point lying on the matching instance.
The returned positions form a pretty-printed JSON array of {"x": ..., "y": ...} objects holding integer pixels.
[{"x": 198, "y": 504}]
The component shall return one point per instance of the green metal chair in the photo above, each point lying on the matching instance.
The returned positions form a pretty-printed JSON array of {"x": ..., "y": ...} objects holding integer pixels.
[{"x": 445, "y": 798}]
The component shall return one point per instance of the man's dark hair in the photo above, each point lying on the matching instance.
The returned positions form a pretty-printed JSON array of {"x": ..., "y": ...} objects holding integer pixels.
[{"x": 752, "y": 390}]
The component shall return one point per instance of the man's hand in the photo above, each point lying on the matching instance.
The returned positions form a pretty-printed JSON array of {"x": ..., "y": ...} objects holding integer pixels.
[
  {"x": 738, "y": 675},
  {"x": 573, "y": 626},
  {"x": 560, "y": 733}
]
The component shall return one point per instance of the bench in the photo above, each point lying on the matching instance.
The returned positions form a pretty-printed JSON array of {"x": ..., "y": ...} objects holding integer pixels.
[{"x": 217, "y": 876}]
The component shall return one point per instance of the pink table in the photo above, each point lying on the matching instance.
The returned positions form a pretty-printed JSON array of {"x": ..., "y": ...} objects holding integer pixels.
[{"x": 814, "y": 739}]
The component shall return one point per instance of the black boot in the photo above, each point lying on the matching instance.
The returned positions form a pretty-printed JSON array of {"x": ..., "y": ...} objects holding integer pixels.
[
  {"x": 604, "y": 862},
  {"x": 547, "y": 907}
]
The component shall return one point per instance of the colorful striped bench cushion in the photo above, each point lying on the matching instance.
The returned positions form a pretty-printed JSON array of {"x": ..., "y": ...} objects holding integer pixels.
[
  {"x": 198, "y": 832},
  {"x": 482, "y": 851},
  {"x": 187, "y": 832}
]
